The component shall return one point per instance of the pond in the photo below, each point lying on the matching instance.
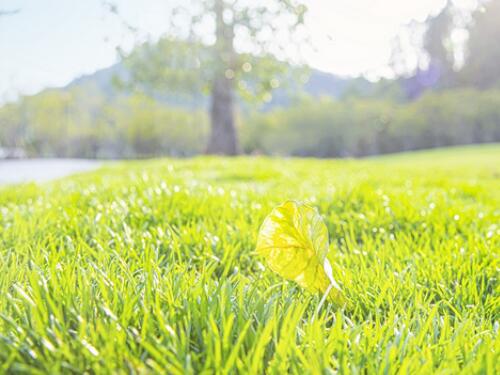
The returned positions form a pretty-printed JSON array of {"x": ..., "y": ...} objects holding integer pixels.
[{"x": 40, "y": 170}]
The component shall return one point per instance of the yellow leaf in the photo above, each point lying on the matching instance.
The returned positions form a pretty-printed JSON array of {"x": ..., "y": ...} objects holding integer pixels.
[{"x": 294, "y": 242}]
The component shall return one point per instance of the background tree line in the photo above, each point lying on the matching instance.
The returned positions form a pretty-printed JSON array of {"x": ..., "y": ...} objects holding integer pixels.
[{"x": 59, "y": 124}]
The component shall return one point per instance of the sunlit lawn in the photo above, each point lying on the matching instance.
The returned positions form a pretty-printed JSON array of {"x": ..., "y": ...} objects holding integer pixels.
[{"x": 150, "y": 267}]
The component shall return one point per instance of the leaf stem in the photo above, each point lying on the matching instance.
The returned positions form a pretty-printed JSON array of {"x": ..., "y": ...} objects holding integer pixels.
[{"x": 323, "y": 299}]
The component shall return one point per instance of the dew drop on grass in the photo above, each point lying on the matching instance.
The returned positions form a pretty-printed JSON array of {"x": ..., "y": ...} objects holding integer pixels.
[{"x": 92, "y": 350}]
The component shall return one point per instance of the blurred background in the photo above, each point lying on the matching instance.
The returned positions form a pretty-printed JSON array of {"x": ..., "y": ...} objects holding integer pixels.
[{"x": 321, "y": 78}]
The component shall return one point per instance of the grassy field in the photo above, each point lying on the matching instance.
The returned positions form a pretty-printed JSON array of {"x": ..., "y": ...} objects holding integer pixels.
[{"x": 150, "y": 267}]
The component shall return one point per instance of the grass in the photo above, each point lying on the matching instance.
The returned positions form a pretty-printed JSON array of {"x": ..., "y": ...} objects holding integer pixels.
[{"x": 149, "y": 267}]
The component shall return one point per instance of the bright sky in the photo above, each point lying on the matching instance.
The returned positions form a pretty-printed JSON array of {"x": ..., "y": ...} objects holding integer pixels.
[{"x": 50, "y": 42}]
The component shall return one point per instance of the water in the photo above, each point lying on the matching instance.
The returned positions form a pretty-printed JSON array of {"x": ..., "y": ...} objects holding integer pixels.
[{"x": 41, "y": 170}]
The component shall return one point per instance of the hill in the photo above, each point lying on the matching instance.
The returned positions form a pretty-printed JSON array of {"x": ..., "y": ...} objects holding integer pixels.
[{"x": 319, "y": 84}]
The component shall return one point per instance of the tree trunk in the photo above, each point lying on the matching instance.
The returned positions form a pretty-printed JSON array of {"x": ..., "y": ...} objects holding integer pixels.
[{"x": 223, "y": 139}]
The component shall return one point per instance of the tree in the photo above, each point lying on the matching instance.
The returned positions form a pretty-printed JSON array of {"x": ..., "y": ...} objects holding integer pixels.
[
  {"x": 437, "y": 44},
  {"x": 228, "y": 47},
  {"x": 429, "y": 43},
  {"x": 481, "y": 68}
]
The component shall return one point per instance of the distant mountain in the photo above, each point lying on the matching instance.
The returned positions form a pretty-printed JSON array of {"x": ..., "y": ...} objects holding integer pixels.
[
  {"x": 319, "y": 84},
  {"x": 102, "y": 80}
]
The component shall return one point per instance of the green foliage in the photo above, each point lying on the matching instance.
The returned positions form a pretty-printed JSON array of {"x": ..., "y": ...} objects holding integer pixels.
[
  {"x": 188, "y": 69},
  {"x": 147, "y": 128},
  {"x": 438, "y": 46},
  {"x": 78, "y": 124},
  {"x": 481, "y": 67},
  {"x": 149, "y": 267},
  {"x": 359, "y": 127},
  {"x": 168, "y": 64}
]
